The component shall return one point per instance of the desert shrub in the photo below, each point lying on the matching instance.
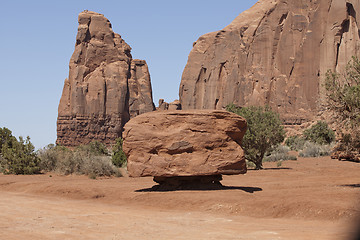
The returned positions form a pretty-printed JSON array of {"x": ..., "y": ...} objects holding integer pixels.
[
  {"x": 94, "y": 148},
  {"x": 264, "y": 131},
  {"x": 319, "y": 133},
  {"x": 349, "y": 142},
  {"x": 118, "y": 157},
  {"x": 250, "y": 165},
  {"x": 18, "y": 157},
  {"x": 98, "y": 166},
  {"x": 280, "y": 153},
  {"x": 2, "y": 164},
  {"x": 49, "y": 156},
  {"x": 343, "y": 92},
  {"x": 343, "y": 97},
  {"x": 312, "y": 149},
  {"x": 89, "y": 159},
  {"x": 6, "y": 136},
  {"x": 295, "y": 143}
]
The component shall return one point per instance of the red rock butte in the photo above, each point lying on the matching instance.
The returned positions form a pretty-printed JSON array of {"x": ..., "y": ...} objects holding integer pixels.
[
  {"x": 105, "y": 87},
  {"x": 276, "y": 53}
]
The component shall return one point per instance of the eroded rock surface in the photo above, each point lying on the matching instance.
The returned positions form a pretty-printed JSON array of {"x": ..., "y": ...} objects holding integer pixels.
[
  {"x": 175, "y": 105},
  {"x": 275, "y": 53},
  {"x": 105, "y": 86},
  {"x": 185, "y": 143}
]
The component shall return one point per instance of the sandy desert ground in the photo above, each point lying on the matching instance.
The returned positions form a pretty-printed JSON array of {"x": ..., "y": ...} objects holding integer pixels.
[{"x": 312, "y": 198}]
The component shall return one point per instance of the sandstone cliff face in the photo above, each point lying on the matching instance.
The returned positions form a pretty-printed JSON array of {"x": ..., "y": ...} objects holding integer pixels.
[
  {"x": 275, "y": 53},
  {"x": 105, "y": 85}
]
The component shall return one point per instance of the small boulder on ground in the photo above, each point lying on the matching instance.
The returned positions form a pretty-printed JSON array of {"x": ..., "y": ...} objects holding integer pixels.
[{"x": 170, "y": 144}]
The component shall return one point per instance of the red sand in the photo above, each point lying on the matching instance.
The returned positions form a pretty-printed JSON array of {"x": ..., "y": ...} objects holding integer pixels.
[{"x": 312, "y": 198}]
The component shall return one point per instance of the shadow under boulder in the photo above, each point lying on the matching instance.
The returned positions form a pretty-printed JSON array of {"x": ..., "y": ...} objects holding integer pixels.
[{"x": 211, "y": 182}]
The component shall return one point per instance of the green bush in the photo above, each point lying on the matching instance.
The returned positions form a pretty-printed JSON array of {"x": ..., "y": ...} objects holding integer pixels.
[
  {"x": 280, "y": 153},
  {"x": 118, "y": 157},
  {"x": 312, "y": 149},
  {"x": 5, "y": 136},
  {"x": 349, "y": 142},
  {"x": 319, "y": 133},
  {"x": 343, "y": 98},
  {"x": 343, "y": 92},
  {"x": 295, "y": 143},
  {"x": 264, "y": 131},
  {"x": 18, "y": 157}
]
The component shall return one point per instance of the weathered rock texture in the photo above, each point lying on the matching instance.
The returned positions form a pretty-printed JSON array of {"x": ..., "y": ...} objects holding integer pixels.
[
  {"x": 185, "y": 143},
  {"x": 275, "y": 53},
  {"x": 105, "y": 86},
  {"x": 175, "y": 105}
]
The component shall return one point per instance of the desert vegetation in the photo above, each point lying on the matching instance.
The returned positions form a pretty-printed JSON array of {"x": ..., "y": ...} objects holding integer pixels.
[
  {"x": 264, "y": 132},
  {"x": 94, "y": 159},
  {"x": 315, "y": 141},
  {"x": 265, "y": 135},
  {"x": 17, "y": 156},
  {"x": 279, "y": 153},
  {"x": 343, "y": 95}
]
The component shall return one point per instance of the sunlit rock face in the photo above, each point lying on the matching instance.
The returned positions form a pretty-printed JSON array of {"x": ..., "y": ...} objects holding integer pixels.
[
  {"x": 105, "y": 86},
  {"x": 185, "y": 143},
  {"x": 276, "y": 53}
]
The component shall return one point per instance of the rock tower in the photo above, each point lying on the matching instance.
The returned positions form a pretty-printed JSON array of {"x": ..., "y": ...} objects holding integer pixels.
[{"x": 105, "y": 86}]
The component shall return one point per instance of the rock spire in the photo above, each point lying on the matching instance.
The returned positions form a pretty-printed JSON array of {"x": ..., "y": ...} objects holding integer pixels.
[{"x": 105, "y": 86}]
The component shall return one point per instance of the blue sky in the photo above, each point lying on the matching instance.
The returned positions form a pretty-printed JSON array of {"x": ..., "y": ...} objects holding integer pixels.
[{"x": 38, "y": 37}]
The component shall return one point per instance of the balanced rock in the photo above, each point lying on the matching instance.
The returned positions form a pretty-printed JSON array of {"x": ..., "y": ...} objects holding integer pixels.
[
  {"x": 276, "y": 53},
  {"x": 185, "y": 143},
  {"x": 105, "y": 85}
]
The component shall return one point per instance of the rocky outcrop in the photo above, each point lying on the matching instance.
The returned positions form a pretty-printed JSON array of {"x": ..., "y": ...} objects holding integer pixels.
[
  {"x": 105, "y": 85},
  {"x": 175, "y": 105},
  {"x": 185, "y": 143},
  {"x": 140, "y": 100},
  {"x": 275, "y": 53}
]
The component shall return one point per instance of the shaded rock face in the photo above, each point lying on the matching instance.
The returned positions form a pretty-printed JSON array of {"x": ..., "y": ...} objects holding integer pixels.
[
  {"x": 275, "y": 53},
  {"x": 185, "y": 143},
  {"x": 105, "y": 86}
]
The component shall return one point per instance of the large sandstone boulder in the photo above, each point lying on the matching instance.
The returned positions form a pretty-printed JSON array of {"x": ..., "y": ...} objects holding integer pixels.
[
  {"x": 185, "y": 143},
  {"x": 275, "y": 53},
  {"x": 105, "y": 85}
]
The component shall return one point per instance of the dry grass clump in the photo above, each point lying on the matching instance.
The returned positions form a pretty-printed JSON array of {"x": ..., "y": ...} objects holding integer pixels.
[
  {"x": 280, "y": 153},
  {"x": 315, "y": 150},
  {"x": 82, "y": 160}
]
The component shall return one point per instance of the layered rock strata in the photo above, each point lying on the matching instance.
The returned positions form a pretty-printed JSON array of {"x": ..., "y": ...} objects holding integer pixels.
[
  {"x": 105, "y": 86},
  {"x": 185, "y": 143},
  {"x": 275, "y": 53}
]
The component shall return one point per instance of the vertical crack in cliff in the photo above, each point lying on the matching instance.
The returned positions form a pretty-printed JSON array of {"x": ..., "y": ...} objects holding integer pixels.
[
  {"x": 105, "y": 93},
  {"x": 277, "y": 37},
  {"x": 291, "y": 71},
  {"x": 199, "y": 88},
  {"x": 345, "y": 27},
  {"x": 221, "y": 82},
  {"x": 283, "y": 18}
]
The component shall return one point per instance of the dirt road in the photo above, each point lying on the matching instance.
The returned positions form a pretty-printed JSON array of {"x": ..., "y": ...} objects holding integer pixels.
[{"x": 304, "y": 199}]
